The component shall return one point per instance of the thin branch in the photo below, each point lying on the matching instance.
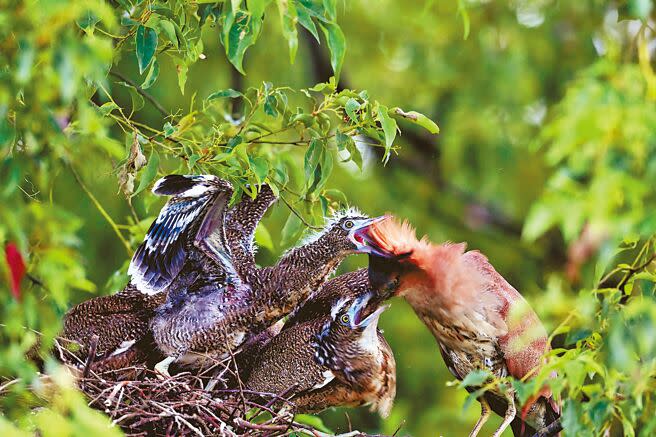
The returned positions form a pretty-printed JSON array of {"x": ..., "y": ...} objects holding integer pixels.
[
  {"x": 297, "y": 214},
  {"x": 141, "y": 91},
  {"x": 102, "y": 211}
]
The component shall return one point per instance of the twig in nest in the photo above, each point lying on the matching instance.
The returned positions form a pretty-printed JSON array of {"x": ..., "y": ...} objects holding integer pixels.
[{"x": 93, "y": 344}]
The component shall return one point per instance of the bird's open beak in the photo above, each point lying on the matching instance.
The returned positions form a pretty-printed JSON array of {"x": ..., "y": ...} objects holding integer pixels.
[
  {"x": 358, "y": 309},
  {"x": 359, "y": 236}
]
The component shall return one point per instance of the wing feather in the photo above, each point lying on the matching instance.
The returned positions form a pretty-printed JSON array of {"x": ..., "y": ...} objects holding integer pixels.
[{"x": 160, "y": 257}]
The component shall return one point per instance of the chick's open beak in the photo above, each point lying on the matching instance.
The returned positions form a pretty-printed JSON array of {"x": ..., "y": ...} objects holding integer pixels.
[
  {"x": 362, "y": 239},
  {"x": 360, "y": 307}
]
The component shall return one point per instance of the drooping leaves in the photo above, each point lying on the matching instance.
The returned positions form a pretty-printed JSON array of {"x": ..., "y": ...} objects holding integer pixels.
[{"x": 146, "y": 44}]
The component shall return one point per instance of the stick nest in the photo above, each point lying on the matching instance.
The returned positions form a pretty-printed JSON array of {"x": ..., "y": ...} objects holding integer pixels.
[{"x": 212, "y": 402}]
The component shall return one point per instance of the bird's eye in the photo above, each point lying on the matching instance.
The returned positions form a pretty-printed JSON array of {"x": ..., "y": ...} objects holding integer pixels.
[
  {"x": 345, "y": 319},
  {"x": 348, "y": 224}
]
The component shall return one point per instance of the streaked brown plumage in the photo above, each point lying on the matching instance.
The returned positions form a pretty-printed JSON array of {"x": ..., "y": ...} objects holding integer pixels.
[
  {"x": 203, "y": 320},
  {"x": 336, "y": 359},
  {"x": 122, "y": 321},
  {"x": 478, "y": 319}
]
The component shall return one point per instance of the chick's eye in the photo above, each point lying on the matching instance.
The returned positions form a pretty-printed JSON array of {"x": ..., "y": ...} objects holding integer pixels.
[
  {"x": 345, "y": 319},
  {"x": 348, "y": 224}
]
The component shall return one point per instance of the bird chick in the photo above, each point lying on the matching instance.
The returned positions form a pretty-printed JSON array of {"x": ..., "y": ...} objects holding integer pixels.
[
  {"x": 174, "y": 246},
  {"x": 338, "y": 359},
  {"x": 203, "y": 320},
  {"x": 118, "y": 322},
  {"x": 478, "y": 319}
]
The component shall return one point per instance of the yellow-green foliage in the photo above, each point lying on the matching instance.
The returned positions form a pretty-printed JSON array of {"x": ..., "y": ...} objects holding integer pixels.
[{"x": 546, "y": 161}]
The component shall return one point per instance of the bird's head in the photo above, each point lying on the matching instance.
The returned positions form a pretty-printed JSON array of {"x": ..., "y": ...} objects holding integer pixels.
[
  {"x": 433, "y": 277},
  {"x": 347, "y": 232},
  {"x": 349, "y": 334},
  {"x": 396, "y": 256}
]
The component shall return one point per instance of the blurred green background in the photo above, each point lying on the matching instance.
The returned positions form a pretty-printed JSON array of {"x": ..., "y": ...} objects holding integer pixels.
[{"x": 546, "y": 162}]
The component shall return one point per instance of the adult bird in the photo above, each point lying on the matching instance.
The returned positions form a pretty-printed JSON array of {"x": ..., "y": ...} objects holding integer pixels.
[
  {"x": 205, "y": 320},
  {"x": 338, "y": 358},
  {"x": 478, "y": 319},
  {"x": 121, "y": 322}
]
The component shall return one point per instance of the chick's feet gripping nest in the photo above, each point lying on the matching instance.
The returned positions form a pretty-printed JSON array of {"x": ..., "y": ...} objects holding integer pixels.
[{"x": 162, "y": 368}]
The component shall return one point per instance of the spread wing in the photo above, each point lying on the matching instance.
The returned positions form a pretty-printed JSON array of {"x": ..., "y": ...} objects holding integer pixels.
[
  {"x": 241, "y": 221},
  {"x": 161, "y": 256}
]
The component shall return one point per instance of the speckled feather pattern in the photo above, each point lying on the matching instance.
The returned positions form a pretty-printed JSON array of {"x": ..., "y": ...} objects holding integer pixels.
[
  {"x": 127, "y": 315},
  {"x": 368, "y": 376},
  {"x": 219, "y": 317},
  {"x": 117, "y": 318}
]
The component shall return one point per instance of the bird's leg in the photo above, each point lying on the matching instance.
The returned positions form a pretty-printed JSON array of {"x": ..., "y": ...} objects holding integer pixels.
[
  {"x": 485, "y": 414},
  {"x": 216, "y": 377},
  {"x": 510, "y": 413},
  {"x": 162, "y": 368}
]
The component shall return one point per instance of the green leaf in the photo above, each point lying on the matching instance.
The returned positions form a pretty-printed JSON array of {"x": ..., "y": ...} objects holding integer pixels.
[
  {"x": 330, "y": 6},
  {"x": 168, "y": 29},
  {"x": 230, "y": 93},
  {"x": 108, "y": 107},
  {"x": 136, "y": 97},
  {"x": 240, "y": 31},
  {"x": 257, "y": 7},
  {"x": 169, "y": 129},
  {"x": 263, "y": 237},
  {"x": 539, "y": 220},
  {"x": 260, "y": 167},
  {"x": 389, "y": 128},
  {"x": 312, "y": 158},
  {"x": 152, "y": 75},
  {"x": 417, "y": 118},
  {"x": 354, "y": 153},
  {"x": 325, "y": 87},
  {"x": 351, "y": 107},
  {"x": 324, "y": 205},
  {"x": 475, "y": 378},
  {"x": 336, "y": 44},
  {"x": 288, "y": 19},
  {"x": 193, "y": 159},
  {"x": 306, "y": 119},
  {"x": 341, "y": 139},
  {"x": 640, "y": 8},
  {"x": 146, "y": 41},
  {"x": 234, "y": 142},
  {"x": 336, "y": 195},
  {"x": 462, "y": 11},
  {"x": 149, "y": 174},
  {"x": 291, "y": 230},
  {"x": 326, "y": 169},
  {"x": 313, "y": 421},
  {"x": 270, "y": 106},
  {"x": 182, "y": 68},
  {"x": 305, "y": 20}
]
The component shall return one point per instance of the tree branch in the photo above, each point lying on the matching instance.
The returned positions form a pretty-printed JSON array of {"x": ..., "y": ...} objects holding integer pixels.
[{"x": 141, "y": 91}]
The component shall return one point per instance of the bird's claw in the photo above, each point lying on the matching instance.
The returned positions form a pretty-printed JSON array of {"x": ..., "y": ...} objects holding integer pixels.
[{"x": 162, "y": 368}]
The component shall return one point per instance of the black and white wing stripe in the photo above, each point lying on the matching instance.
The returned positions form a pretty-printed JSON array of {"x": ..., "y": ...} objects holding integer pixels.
[{"x": 161, "y": 256}]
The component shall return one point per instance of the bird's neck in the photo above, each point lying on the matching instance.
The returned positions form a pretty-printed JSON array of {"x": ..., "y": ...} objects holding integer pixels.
[{"x": 299, "y": 272}]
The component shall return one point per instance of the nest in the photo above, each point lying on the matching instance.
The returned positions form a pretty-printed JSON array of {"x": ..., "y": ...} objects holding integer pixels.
[
  {"x": 181, "y": 405},
  {"x": 212, "y": 402}
]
